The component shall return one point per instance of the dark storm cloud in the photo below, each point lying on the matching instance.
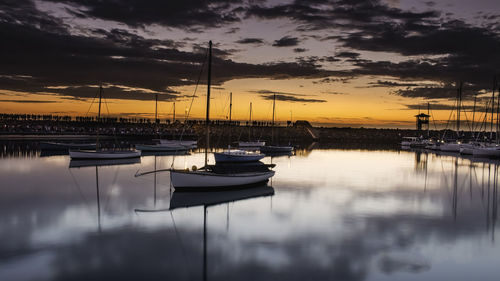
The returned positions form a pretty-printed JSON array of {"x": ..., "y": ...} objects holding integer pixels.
[
  {"x": 283, "y": 96},
  {"x": 349, "y": 55},
  {"x": 39, "y": 51},
  {"x": 329, "y": 14},
  {"x": 300, "y": 50},
  {"x": 444, "y": 50},
  {"x": 250, "y": 41},
  {"x": 446, "y": 91},
  {"x": 461, "y": 51},
  {"x": 447, "y": 107},
  {"x": 286, "y": 41},
  {"x": 381, "y": 83},
  {"x": 138, "y": 13},
  {"x": 29, "y": 101},
  {"x": 290, "y": 98}
]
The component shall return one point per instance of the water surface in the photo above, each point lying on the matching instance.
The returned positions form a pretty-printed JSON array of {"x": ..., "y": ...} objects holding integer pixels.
[{"x": 326, "y": 215}]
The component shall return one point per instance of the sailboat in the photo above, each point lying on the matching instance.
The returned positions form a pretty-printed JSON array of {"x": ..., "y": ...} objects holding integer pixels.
[
  {"x": 97, "y": 164},
  {"x": 188, "y": 144},
  {"x": 207, "y": 177},
  {"x": 490, "y": 149},
  {"x": 275, "y": 148},
  {"x": 250, "y": 144},
  {"x": 236, "y": 155},
  {"x": 167, "y": 146},
  {"x": 102, "y": 154},
  {"x": 454, "y": 146}
]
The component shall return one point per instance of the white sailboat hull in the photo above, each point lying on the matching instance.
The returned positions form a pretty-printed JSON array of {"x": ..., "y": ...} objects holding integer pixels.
[
  {"x": 202, "y": 179},
  {"x": 104, "y": 154}
]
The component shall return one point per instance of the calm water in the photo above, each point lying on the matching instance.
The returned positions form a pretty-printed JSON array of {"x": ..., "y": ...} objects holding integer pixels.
[{"x": 330, "y": 215}]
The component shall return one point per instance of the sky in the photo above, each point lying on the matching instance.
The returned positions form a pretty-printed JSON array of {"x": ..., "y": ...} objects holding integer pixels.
[{"x": 356, "y": 63}]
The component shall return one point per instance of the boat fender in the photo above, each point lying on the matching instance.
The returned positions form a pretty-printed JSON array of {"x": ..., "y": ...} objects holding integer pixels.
[{"x": 194, "y": 168}]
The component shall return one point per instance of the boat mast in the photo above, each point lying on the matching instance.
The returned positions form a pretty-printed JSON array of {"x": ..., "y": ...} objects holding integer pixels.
[
  {"x": 459, "y": 101},
  {"x": 207, "y": 119},
  {"x": 473, "y": 115},
  {"x": 498, "y": 110},
  {"x": 272, "y": 124},
  {"x": 156, "y": 113},
  {"x": 98, "y": 118},
  {"x": 230, "y": 112},
  {"x": 492, "y": 108},
  {"x": 230, "y": 106},
  {"x": 498, "y": 107},
  {"x": 174, "y": 112},
  {"x": 428, "y": 115},
  {"x": 156, "y": 107},
  {"x": 250, "y": 124}
]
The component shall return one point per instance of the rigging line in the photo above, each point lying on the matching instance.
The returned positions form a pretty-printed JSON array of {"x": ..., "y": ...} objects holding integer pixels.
[
  {"x": 114, "y": 129},
  {"x": 106, "y": 104},
  {"x": 467, "y": 120},
  {"x": 449, "y": 118},
  {"x": 483, "y": 123},
  {"x": 433, "y": 120},
  {"x": 194, "y": 93},
  {"x": 91, "y": 104}
]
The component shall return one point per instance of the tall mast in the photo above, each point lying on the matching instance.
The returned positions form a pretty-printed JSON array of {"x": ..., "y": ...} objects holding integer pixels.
[
  {"x": 473, "y": 114},
  {"x": 428, "y": 121},
  {"x": 498, "y": 110},
  {"x": 274, "y": 106},
  {"x": 230, "y": 106},
  {"x": 100, "y": 98},
  {"x": 156, "y": 108},
  {"x": 156, "y": 113},
  {"x": 230, "y": 112},
  {"x": 459, "y": 102},
  {"x": 492, "y": 109},
  {"x": 272, "y": 124},
  {"x": 98, "y": 118},
  {"x": 207, "y": 119},
  {"x": 174, "y": 111},
  {"x": 250, "y": 124}
]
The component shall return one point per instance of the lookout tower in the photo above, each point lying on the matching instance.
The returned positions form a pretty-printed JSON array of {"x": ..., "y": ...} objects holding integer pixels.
[{"x": 422, "y": 119}]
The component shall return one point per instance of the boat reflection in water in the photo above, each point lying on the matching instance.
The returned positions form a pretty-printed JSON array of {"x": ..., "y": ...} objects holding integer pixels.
[
  {"x": 77, "y": 163},
  {"x": 82, "y": 163},
  {"x": 211, "y": 198}
]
